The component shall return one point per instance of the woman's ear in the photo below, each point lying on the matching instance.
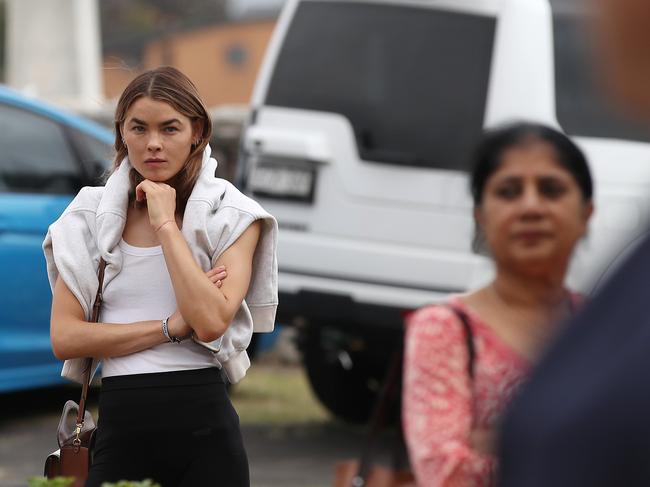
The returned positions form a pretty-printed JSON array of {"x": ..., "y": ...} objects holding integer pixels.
[
  {"x": 478, "y": 216},
  {"x": 588, "y": 211},
  {"x": 479, "y": 243},
  {"x": 197, "y": 131}
]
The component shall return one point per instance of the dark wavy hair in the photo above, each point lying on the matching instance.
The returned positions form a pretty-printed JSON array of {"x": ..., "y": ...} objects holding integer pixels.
[
  {"x": 169, "y": 85},
  {"x": 489, "y": 154}
]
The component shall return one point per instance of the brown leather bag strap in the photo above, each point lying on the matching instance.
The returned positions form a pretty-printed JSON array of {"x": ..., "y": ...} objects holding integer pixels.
[{"x": 88, "y": 363}]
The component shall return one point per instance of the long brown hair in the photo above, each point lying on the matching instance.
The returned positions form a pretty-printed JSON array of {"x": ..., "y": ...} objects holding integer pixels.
[{"x": 169, "y": 85}]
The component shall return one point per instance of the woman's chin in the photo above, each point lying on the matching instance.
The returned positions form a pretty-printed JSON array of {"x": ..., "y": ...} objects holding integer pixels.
[
  {"x": 540, "y": 264},
  {"x": 536, "y": 258},
  {"x": 157, "y": 176}
]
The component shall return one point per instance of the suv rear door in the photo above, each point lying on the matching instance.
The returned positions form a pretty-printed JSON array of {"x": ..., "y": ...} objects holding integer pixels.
[{"x": 362, "y": 135}]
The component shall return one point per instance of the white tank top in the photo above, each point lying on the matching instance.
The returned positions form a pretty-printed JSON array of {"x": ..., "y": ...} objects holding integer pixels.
[{"x": 143, "y": 291}]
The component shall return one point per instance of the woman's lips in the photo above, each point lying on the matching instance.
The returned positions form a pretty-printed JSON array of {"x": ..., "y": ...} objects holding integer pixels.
[{"x": 532, "y": 235}]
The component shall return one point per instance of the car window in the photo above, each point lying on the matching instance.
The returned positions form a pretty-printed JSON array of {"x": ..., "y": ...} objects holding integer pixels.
[
  {"x": 95, "y": 154},
  {"x": 36, "y": 156},
  {"x": 411, "y": 81},
  {"x": 584, "y": 107},
  {"x": 93, "y": 149}
]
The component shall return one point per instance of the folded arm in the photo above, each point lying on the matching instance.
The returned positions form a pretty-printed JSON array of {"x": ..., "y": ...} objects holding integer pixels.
[
  {"x": 72, "y": 337},
  {"x": 208, "y": 309}
]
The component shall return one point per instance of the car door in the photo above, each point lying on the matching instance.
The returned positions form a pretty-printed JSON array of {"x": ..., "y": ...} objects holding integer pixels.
[{"x": 39, "y": 174}]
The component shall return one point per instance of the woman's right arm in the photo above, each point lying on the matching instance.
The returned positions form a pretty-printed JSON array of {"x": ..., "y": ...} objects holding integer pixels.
[
  {"x": 71, "y": 336},
  {"x": 74, "y": 337},
  {"x": 437, "y": 402}
]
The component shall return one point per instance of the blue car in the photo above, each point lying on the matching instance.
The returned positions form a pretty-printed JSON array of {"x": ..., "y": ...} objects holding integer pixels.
[{"x": 46, "y": 156}]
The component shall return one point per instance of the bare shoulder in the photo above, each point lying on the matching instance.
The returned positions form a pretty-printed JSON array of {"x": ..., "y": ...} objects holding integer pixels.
[{"x": 474, "y": 299}]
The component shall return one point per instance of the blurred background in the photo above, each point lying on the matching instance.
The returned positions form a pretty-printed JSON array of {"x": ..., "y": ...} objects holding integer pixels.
[
  {"x": 82, "y": 54},
  {"x": 352, "y": 123}
]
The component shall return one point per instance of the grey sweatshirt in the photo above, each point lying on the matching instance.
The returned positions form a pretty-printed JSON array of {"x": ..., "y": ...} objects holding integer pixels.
[{"x": 215, "y": 217}]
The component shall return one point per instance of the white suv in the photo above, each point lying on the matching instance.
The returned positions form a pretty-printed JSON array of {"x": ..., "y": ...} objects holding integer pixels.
[{"x": 364, "y": 117}]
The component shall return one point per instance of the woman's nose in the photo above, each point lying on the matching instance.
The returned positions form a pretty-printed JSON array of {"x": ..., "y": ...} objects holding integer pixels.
[
  {"x": 153, "y": 142},
  {"x": 532, "y": 200}
]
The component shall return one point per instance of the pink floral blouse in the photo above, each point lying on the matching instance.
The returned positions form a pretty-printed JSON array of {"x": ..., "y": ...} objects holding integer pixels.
[{"x": 442, "y": 404}]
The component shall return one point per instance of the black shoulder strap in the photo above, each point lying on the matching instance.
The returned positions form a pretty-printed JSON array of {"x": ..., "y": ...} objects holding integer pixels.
[{"x": 469, "y": 338}]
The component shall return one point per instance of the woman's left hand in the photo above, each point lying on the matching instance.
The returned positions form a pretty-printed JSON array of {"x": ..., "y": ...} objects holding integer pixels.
[
  {"x": 161, "y": 202},
  {"x": 217, "y": 275}
]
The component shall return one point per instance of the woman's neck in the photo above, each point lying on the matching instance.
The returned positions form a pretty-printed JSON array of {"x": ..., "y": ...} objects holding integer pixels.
[{"x": 519, "y": 291}]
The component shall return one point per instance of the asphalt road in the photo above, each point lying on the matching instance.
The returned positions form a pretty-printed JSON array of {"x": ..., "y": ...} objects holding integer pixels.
[{"x": 286, "y": 456}]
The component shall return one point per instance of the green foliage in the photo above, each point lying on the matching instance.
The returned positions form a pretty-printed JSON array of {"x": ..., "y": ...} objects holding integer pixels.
[
  {"x": 129, "y": 483},
  {"x": 55, "y": 482}
]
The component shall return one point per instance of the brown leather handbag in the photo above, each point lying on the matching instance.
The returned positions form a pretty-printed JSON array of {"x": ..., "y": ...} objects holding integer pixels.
[{"x": 73, "y": 458}]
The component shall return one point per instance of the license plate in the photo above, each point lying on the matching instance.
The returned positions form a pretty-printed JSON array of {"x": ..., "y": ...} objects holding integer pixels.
[{"x": 283, "y": 182}]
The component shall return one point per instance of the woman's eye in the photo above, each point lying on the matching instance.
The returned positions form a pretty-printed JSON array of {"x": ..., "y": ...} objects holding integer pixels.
[
  {"x": 509, "y": 192},
  {"x": 138, "y": 128},
  {"x": 170, "y": 130},
  {"x": 552, "y": 188}
]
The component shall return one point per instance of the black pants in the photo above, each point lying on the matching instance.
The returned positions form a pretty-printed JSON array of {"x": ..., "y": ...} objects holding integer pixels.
[{"x": 176, "y": 428}]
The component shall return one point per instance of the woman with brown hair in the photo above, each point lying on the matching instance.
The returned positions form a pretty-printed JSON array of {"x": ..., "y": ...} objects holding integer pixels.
[
  {"x": 172, "y": 316},
  {"x": 465, "y": 358}
]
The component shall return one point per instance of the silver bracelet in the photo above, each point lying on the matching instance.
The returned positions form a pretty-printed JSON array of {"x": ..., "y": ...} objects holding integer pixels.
[{"x": 165, "y": 331}]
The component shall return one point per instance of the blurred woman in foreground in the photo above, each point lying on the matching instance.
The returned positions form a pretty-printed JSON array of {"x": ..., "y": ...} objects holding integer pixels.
[{"x": 532, "y": 193}]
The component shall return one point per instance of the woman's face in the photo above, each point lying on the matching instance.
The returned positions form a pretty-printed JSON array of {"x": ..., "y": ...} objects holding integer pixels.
[
  {"x": 158, "y": 138},
  {"x": 532, "y": 212}
]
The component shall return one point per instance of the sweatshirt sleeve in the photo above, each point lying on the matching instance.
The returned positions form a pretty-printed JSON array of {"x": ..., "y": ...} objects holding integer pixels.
[
  {"x": 70, "y": 253},
  {"x": 70, "y": 248},
  {"x": 437, "y": 397},
  {"x": 257, "y": 312},
  {"x": 262, "y": 295}
]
